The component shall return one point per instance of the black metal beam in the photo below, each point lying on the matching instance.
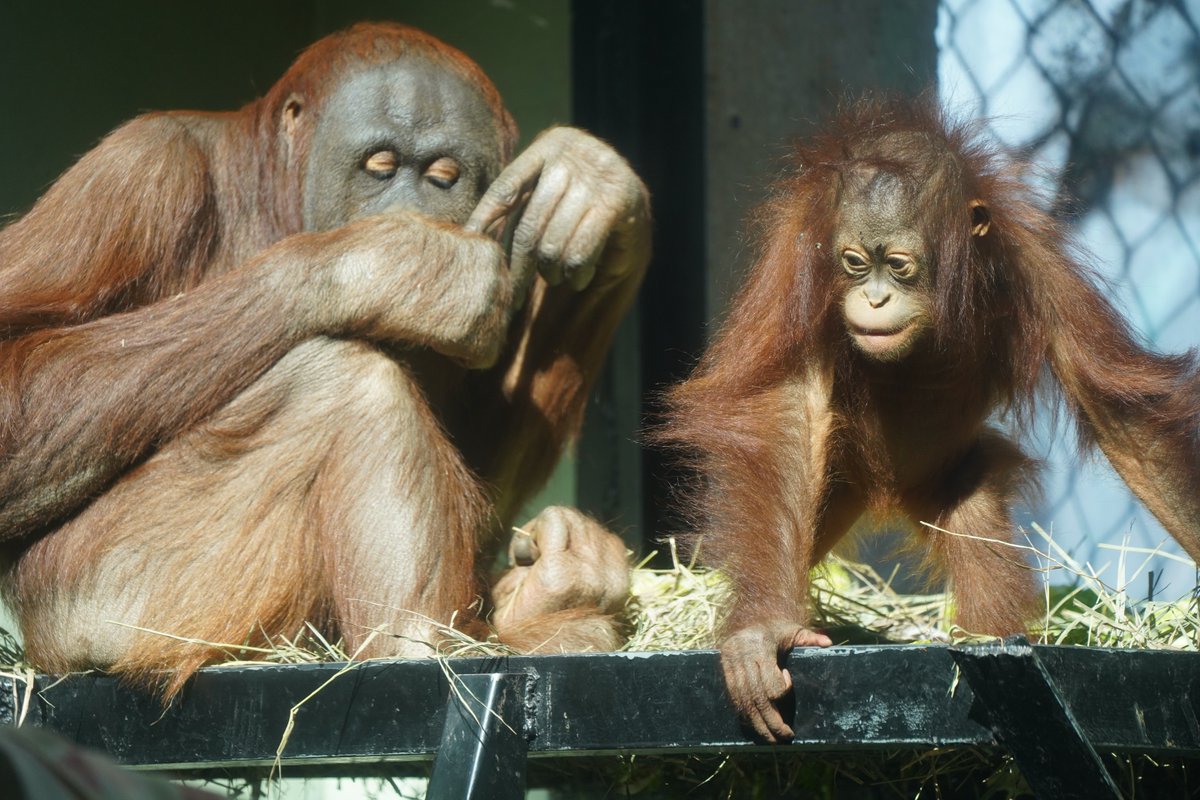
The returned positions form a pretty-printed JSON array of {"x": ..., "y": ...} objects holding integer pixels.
[
  {"x": 483, "y": 747},
  {"x": 845, "y": 698},
  {"x": 1016, "y": 697}
]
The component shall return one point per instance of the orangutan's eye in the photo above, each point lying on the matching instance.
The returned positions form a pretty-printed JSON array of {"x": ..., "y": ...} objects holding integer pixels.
[
  {"x": 442, "y": 173},
  {"x": 382, "y": 164}
]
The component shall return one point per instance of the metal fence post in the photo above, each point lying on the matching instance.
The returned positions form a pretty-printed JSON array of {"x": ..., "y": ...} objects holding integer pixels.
[{"x": 483, "y": 748}]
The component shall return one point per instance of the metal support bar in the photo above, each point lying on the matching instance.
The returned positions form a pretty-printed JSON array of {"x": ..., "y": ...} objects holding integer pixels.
[
  {"x": 231, "y": 720},
  {"x": 483, "y": 747},
  {"x": 1016, "y": 697}
]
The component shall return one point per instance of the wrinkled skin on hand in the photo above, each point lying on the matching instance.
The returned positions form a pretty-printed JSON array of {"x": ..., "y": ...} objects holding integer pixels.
[
  {"x": 750, "y": 661},
  {"x": 559, "y": 206},
  {"x": 562, "y": 559}
]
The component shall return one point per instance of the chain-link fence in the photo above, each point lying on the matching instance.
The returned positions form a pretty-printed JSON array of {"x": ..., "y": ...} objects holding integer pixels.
[{"x": 1105, "y": 96}]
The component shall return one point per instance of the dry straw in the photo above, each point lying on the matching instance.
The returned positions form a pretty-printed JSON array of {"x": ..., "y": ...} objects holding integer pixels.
[{"x": 679, "y": 607}]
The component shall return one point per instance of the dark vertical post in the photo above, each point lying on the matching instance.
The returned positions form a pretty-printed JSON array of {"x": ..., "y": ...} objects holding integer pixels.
[
  {"x": 638, "y": 76},
  {"x": 483, "y": 748}
]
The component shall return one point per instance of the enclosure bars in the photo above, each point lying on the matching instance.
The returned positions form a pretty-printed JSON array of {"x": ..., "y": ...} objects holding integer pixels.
[
  {"x": 231, "y": 720},
  {"x": 482, "y": 754}
]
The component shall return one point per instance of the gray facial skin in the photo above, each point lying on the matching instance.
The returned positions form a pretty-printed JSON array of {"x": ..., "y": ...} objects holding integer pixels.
[
  {"x": 410, "y": 115},
  {"x": 881, "y": 251}
]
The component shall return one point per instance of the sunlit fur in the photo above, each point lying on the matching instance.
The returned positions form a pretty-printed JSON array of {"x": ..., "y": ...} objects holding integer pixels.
[
  {"x": 205, "y": 468},
  {"x": 794, "y": 434}
]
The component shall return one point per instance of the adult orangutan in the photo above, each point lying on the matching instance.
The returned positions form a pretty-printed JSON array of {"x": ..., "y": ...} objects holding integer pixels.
[
  {"x": 907, "y": 286},
  {"x": 274, "y": 366}
]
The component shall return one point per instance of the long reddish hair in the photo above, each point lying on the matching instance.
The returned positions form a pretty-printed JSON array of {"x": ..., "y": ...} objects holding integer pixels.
[
  {"x": 1010, "y": 308},
  {"x": 997, "y": 298}
]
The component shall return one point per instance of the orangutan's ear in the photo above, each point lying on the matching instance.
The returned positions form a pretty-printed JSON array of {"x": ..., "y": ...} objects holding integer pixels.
[
  {"x": 981, "y": 218},
  {"x": 289, "y": 123}
]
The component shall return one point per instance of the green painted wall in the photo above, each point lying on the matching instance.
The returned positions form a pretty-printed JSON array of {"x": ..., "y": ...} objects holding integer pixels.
[{"x": 71, "y": 71}]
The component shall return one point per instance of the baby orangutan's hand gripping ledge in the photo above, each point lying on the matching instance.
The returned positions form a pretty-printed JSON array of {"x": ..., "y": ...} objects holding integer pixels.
[
  {"x": 273, "y": 366},
  {"x": 906, "y": 288}
]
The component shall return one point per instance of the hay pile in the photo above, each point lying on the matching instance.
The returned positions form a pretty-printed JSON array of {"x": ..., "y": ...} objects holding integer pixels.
[{"x": 679, "y": 607}]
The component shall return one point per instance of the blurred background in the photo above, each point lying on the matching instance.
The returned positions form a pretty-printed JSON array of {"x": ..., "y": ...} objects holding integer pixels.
[{"x": 1103, "y": 96}]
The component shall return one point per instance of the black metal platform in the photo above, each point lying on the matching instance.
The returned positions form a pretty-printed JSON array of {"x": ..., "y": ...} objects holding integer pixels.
[{"x": 1053, "y": 707}]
